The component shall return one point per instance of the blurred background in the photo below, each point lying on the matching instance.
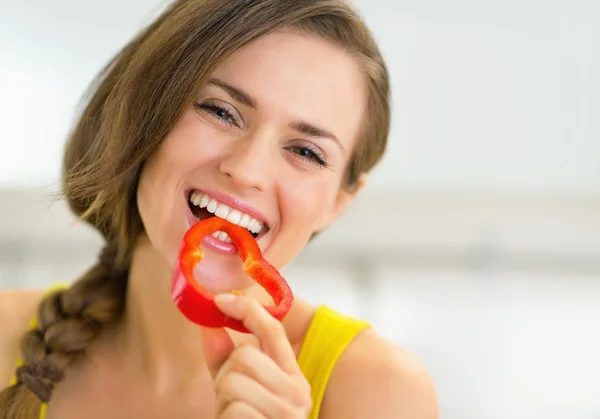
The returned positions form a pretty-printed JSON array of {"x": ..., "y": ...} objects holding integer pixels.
[{"x": 476, "y": 244}]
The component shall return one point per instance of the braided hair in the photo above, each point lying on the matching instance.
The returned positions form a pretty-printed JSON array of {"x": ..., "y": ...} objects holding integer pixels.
[{"x": 67, "y": 322}]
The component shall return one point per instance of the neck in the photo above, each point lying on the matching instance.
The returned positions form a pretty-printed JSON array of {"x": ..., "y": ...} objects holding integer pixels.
[{"x": 155, "y": 340}]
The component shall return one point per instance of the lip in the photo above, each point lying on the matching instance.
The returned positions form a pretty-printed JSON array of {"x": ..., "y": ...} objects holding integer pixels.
[
  {"x": 232, "y": 202},
  {"x": 218, "y": 245}
]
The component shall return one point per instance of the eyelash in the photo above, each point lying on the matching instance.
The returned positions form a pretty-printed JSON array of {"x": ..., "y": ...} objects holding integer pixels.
[
  {"x": 314, "y": 153},
  {"x": 313, "y": 157},
  {"x": 214, "y": 110}
]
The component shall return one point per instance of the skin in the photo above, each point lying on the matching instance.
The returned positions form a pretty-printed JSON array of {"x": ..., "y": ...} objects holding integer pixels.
[{"x": 155, "y": 364}]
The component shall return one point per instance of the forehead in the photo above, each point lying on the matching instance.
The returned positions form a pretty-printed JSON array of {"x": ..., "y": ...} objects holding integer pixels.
[{"x": 297, "y": 76}]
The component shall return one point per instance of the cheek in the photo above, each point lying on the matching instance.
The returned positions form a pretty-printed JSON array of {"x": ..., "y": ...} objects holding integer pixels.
[
  {"x": 195, "y": 144},
  {"x": 155, "y": 211},
  {"x": 160, "y": 196},
  {"x": 302, "y": 209},
  {"x": 190, "y": 152},
  {"x": 146, "y": 194}
]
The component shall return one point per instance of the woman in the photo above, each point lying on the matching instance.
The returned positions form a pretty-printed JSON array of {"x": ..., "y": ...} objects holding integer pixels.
[{"x": 268, "y": 113}]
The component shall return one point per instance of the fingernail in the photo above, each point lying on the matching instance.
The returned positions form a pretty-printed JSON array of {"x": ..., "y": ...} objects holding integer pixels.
[{"x": 224, "y": 298}]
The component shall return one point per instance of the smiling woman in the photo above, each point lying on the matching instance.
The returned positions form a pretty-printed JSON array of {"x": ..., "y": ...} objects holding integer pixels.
[{"x": 268, "y": 114}]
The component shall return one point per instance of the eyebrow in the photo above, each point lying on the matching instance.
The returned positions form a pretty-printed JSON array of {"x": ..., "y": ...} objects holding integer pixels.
[
  {"x": 234, "y": 92},
  {"x": 312, "y": 131},
  {"x": 302, "y": 127}
]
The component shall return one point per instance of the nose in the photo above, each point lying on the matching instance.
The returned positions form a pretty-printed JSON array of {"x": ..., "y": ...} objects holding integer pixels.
[{"x": 249, "y": 164}]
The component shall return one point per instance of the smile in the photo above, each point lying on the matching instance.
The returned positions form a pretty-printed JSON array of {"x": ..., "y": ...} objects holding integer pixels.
[{"x": 204, "y": 206}]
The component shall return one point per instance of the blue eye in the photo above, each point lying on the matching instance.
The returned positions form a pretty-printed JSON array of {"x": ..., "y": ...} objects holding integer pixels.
[
  {"x": 222, "y": 113},
  {"x": 306, "y": 153},
  {"x": 219, "y": 113}
]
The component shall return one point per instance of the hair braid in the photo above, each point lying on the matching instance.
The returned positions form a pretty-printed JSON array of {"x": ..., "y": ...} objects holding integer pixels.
[{"x": 68, "y": 321}]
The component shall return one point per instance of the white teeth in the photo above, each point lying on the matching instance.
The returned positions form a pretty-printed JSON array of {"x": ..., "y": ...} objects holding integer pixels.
[
  {"x": 234, "y": 217},
  {"x": 224, "y": 237},
  {"x": 212, "y": 206},
  {"x": 204, "y": 201},
  {"x": 224, "y": 211},
  {"x": 257, "y": 228},
  {"x": 221, "y": 235},
  {"x": 244, "y": 221}
]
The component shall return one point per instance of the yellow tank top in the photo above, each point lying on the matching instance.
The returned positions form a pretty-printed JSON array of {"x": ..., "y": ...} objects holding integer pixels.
[{"x": 326, "y": 339}]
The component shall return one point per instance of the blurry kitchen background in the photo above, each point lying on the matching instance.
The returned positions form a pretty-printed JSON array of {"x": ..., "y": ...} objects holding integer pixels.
[{"x": 476, "y": 244}]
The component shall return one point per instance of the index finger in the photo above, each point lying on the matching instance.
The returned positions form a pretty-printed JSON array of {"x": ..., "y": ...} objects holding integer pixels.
[{"x": 270, "y": 332}]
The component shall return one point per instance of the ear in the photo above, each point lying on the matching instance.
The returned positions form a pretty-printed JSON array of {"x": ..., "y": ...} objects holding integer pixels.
[{"x": 343, "y": 199}]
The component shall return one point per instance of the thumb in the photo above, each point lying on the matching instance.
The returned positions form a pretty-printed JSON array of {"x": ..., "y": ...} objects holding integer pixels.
[{"x": 216, "y": 345}]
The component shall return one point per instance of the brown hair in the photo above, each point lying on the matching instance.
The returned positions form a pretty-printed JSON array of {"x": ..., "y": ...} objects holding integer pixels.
[{"x": 132, "y": 105}]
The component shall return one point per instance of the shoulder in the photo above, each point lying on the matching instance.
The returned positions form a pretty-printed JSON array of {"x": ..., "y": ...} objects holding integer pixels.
[
  {"x": 17, "y": 309},
  {"x": 375, "y": 378}
]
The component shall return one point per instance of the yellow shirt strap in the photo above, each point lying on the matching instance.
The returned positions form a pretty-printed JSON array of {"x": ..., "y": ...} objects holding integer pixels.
[{"x": 326, "y": 339}]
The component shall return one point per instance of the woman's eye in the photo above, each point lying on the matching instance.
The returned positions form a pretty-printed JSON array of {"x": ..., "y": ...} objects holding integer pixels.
[
  {"x": 312, "y": 156},
  {"x": 219, "y": 113}
]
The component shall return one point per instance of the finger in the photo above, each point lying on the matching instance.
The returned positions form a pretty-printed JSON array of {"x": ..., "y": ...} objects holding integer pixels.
[
  {"x": 239, "y": 387},
  {"x": 260, "y": 367},
  {"x": 216, "y": 346},
  {"x": 266, "y": 328},
  {"x": 240, "y": 410}
]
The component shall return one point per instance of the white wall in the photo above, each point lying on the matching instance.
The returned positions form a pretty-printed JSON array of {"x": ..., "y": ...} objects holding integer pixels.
[{"x": 498, "y": 94}]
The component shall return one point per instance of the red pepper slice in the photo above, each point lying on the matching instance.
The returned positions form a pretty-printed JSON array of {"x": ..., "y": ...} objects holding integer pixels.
[{"x": 196, "y": 303}]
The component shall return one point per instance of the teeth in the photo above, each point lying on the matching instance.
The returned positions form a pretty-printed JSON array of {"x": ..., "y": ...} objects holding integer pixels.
[
  {"x": 234, "y": 217},
  {"x": 203, "y": 201},
  {"x": 212, "y": 206},
  {"x": 255, "y": 226},
  {"x": 223, "y": 211},
  {"x": 224, "y": 237},
  {"x": 221, "y": 235},
  {"x": 244, "y": 221}
]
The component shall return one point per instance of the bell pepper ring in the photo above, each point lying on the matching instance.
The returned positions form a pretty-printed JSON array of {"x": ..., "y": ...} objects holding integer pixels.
[{"x": 197, "y": 303}]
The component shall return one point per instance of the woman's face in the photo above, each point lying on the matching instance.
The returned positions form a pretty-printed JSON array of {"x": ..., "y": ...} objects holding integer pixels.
[{"x": 265, "y": 145}]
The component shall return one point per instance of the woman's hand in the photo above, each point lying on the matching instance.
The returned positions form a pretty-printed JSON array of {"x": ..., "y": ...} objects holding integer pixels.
[{"x": 251, "y": 382}]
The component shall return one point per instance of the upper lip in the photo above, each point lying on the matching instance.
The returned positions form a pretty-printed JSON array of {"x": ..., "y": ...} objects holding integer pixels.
[{"x": 233, "y": 203}]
